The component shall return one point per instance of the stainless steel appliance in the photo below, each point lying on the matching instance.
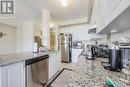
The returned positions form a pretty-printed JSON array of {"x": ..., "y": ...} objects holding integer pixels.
[
  {"x": 115, "y": 58},
  {"x": 37, "y": 71},
  {"x": 119, "y": 58},
  {"x": 125, "y": 57},
  {"x": 65, "y": 45},
  {"x": 114, "y": 61},
  {"x": 90, "y": 52}
]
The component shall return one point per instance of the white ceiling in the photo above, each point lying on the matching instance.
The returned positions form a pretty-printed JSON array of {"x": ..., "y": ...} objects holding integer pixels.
[{"x": 75, "y": 9}]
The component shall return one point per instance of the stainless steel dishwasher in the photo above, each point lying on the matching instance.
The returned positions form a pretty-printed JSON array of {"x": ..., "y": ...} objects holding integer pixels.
[{"x": 37, "y": 71}]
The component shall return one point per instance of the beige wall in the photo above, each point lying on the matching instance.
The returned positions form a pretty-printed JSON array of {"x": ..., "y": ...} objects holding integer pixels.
[
  {"x": 27, "y": 36},
  {"x": 8, "y": 42},
  {"x": 80, "y": 32}
]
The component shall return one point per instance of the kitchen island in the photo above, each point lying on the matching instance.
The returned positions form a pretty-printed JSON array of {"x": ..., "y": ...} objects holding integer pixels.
[
  {"x": 16, "y": 69},
  {"x": 90, "y": 73}
]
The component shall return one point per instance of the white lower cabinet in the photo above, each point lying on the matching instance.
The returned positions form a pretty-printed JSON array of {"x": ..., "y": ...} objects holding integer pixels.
[
  {"x": 75, "y": 54},
  {"x": 12, "y": 75},
  {"x": 54, "y": 63}
]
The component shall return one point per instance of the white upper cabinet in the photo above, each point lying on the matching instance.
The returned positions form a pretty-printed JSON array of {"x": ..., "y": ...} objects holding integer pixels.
[
  {"x": 111, "y": 6},
  {"x": 93, "y": 16},
  {"x": 100, "y": 14},
  {"x": 105, "y": 11},
  {"x": 114, "y": 8}
]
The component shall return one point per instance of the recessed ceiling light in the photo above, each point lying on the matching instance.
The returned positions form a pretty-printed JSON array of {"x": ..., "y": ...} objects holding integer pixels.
[{"x": 64, "y": 3}]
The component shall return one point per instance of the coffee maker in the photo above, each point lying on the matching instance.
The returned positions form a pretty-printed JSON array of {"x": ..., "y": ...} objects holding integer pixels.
[
  {"x": 119, "y": 57},
  {"x": 115, "y": 59}
]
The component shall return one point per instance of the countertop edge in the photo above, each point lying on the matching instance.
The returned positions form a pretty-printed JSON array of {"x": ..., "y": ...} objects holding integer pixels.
[{"x": 8, "y": 59}]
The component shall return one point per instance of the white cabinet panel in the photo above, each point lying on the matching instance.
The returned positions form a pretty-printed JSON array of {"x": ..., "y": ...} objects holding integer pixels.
[
  {"x": 13, "y": 75},
  {"x": 94, "y": 13},
  {"x": 100, "y": 14},
  {"x": 51, "y": 65},
  {"x": 75, "y": 54},
  {"x": 111, "y": 5},
  {"x": 54, "y": 63},
  {"x": 107, "y": 11},
  {"x": 114, "y": 8}
]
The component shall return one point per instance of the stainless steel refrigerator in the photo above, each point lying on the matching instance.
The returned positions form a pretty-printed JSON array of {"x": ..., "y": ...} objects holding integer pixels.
[{"x": 65, "y": 46}]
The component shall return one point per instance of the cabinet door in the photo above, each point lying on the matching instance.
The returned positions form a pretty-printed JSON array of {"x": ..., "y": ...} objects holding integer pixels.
[
  {"x": 54, "y": 64},
  {"x": 114, "y": 8},
  {"x": 100, "y": 14},
  {"x": 50, "y": 66},
  {"x": 13, "y": 75},
  {"x": 57, "y": 62},
  {"x": 94, "y": 16},
  {"x": 111, "y": 5}
]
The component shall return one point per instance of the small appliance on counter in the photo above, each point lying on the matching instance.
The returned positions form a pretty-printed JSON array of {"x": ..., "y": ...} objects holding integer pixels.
[
  {"x": 115, "y": 58},
  {"x": 91, "y": 52},
  {"x": 77, "y": 45},
  {"x": 118, "y": 58},
  {"x": 102, "y": 51}
]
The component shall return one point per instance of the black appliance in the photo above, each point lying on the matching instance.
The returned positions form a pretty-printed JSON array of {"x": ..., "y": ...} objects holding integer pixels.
[
  {"x": 114, "y": 62},
  {"x": 115, "y": 58},
  {"x": 118, "y": 59}
]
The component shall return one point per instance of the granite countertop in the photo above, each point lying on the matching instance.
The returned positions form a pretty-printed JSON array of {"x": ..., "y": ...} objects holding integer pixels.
[
  {"x": 90, "y": 73},
  {"x": 22, "y": 56}
]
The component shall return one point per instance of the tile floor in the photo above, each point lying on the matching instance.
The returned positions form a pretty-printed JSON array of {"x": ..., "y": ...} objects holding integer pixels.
[
  {"x": 67, "y": 65},
  {"x": 61, "y": 79}
]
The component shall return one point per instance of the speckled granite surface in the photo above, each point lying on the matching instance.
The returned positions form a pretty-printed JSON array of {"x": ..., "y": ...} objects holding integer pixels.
[
  {"x": 90, "y": 73},
  {"x": 18, "y": 57}
]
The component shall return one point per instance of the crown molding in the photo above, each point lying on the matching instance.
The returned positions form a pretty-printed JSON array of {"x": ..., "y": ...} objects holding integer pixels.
[{"x": 73, "y": 22}]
